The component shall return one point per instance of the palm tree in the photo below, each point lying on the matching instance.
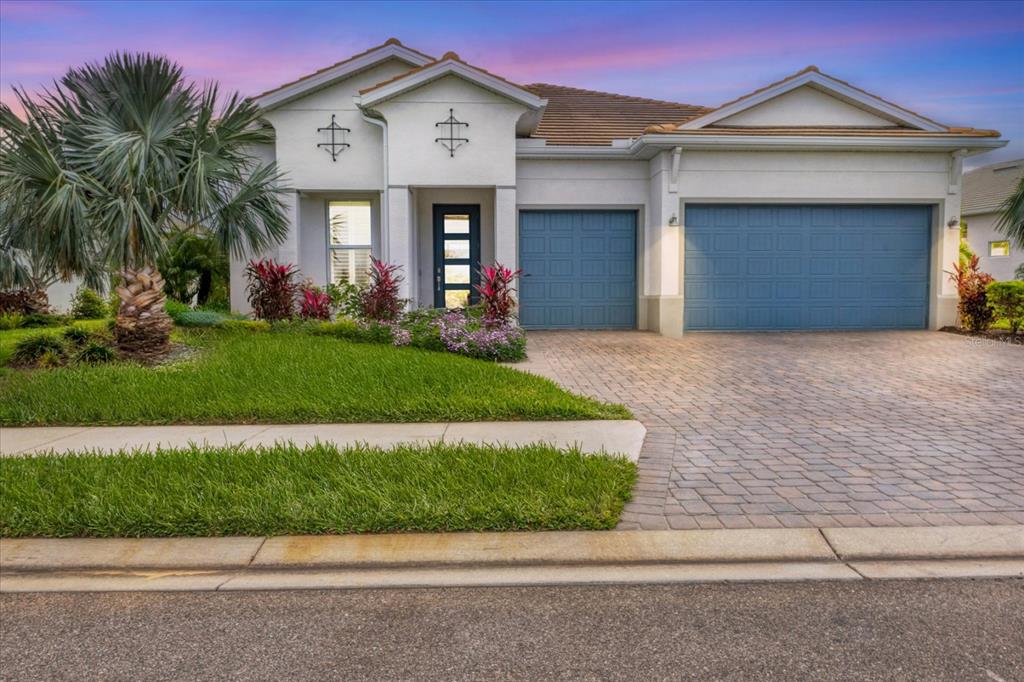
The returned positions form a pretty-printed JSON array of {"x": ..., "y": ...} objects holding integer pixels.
[
  {"x": 117, "y": 156},
  {"x": 1011, "y": 219}
]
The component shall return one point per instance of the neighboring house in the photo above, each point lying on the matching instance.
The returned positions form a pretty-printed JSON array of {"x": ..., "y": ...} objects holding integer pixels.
[
  {"x": 807, "y": 204},
  {"x": 985, "y": 190}
]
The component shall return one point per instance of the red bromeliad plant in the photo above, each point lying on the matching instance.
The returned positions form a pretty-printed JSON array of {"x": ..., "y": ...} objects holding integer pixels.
[
  {"x": 971, "y": 284},
  {"x": 495, "y": 291},
  {"x": 314, "y": 302},
  {"x": 380, "y": 300},
  {"x": 271, "y": 289}
]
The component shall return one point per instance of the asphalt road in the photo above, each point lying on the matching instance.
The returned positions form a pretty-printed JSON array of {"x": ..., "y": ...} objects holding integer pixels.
[{"x": 900, "y": 630}]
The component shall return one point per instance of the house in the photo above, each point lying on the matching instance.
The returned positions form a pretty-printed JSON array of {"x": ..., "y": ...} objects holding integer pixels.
[
  {"x": 806, "y": 204},
  {"x": 985, "y": 190}
]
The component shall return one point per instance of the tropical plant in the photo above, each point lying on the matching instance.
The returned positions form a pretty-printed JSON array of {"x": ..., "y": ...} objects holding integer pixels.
[
  {"x": 88, "y": 305},
  {"x": 380, "y": 299},
  {"x": 971, "y": 284},
  {"x": 193, "y": 267},
  {"x": 113, "y": 159},
  {"x": 271, "y": 289},
  {"x": 1011, "y": 215},
  {"x": 95, "y": 353},
  {"x": 496, "y": 291},
  {"x": 1007, "y": 301},
  {"x": 76, "y": 336},
  {"x": 346, "y": 299},
  {"x": 11, "y": 321},
  {"x": 314, "y": 302}
]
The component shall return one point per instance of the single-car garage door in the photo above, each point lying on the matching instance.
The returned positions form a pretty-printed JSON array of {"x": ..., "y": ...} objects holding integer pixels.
[
  {"x": 750, "y": 267},
  {"x": 579, "y": 269}
]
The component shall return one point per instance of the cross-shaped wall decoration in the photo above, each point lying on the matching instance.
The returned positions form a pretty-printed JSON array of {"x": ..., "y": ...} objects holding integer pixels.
[
  {"x": 335, "y": 147},
  {"x": 452, "y": 141}
]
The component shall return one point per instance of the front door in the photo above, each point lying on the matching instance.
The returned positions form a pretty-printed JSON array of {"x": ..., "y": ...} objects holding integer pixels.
[{"x": 456, "y": 254}]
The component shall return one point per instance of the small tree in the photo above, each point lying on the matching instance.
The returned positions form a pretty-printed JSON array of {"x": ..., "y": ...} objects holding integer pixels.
[
  {"x": 971, "y": 284},
  {"x": 1011, "y": 218},
  {"x": 107, "y": 164},
  {"x": 88, "y": 305},
  {"x": 1007, "y": 301}
]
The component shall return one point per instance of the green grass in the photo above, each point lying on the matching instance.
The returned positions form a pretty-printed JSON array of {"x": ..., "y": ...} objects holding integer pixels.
[
  {"x": 289, "y": 490},
  {"x": 289, "y": 377}
]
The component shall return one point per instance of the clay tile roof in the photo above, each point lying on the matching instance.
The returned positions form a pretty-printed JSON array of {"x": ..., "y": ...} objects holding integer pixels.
[
  {"x": 448, "y": 56},
  {"x": 389, "y": 41},
  {"x": 986, "y": 188},
  {"x": 587, "y": 117}
]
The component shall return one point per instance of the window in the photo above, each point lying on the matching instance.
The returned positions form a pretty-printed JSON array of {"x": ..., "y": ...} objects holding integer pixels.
[
  {"x": 999, "y": 248},
  {"x": 349, "y": 241}
]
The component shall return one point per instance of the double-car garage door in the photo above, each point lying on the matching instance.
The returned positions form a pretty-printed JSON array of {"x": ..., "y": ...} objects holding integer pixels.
[
  {"x": 746, "y": 268},
  {"x": 806, "y": 267}
]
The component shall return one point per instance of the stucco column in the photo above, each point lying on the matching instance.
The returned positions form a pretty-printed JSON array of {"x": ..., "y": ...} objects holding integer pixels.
[
  {"x": 662, "y": 286},
  {"x": 288, "y": 250},
  {"x": 505, "y": 228},
  {"x": 947, "y": 252},
  {"x": 397, "y": 238}
]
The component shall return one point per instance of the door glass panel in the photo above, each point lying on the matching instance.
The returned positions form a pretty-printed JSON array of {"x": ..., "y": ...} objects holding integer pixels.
[
  {"x": 456, "y": 224},
  {"x": 456, "y": 298},
  {"x": 456, "y": 248},
  {"x": 456, "y": 274}
]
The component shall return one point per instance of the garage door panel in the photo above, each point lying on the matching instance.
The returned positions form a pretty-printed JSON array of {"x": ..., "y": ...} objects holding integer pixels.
[
  {"x": 581, "y": 269},
  {"x": 806, "y": 267}
]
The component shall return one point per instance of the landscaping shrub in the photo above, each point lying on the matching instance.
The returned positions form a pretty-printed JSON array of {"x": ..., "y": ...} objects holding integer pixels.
[
  {"x": 495, "y": 291},
  {"x": 75, "y": 336},
  {"x": 362, "y": 332},
  {"x": 199, "y": 318},
  {"x": 271, "y": 289},
  {"x": 88, "y": 305},
  {"x": 346, "y": 299},
  {"x": 314, "y": 302},
  {"x": 504, "y": 343},
  {"x": 95, "y": 353},
  {"x": 11, "y": 320},
  {"x": 44, "y": 320},
  {"x": 244, "y": 325},
  {"x": 971, "y": 285},
  {"x": 1007, "y": 302},
  {"x": 43, "y": 350},
  {"x": 422, "y": 326},
  {"x": 380, "y": 299},
  {"x": 176, "y": 308}
]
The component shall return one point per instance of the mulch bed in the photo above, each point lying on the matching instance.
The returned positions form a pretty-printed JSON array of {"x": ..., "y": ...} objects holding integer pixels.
[{"x": 1001, "y": 335}]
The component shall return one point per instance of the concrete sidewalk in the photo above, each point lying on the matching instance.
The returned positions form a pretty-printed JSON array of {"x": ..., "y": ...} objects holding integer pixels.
[
  {"x": 461, "y": 559},
  {"x": 621, "y": 437}
]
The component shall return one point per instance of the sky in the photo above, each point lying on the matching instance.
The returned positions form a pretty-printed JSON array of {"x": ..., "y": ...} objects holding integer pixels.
[{"x": 961, "y": 63}]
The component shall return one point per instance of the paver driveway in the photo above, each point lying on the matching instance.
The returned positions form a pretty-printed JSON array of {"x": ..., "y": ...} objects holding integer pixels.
[{"x": 800, "y": 429}]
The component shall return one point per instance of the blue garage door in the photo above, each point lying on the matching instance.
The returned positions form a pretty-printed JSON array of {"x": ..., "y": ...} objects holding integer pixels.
[
  {"x": 806, "y": 267},
  {"x": 579, "y": 269}
]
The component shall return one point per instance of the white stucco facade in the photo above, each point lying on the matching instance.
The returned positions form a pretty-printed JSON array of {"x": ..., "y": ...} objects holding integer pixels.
[{"x": 395, "y": 162}]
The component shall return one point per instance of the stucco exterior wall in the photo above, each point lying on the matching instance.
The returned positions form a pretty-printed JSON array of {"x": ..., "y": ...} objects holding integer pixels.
[
  {"x": 295, "y": 125},
  {"x": 981, "y": 229},
  {"x": 415, "y": 158}
]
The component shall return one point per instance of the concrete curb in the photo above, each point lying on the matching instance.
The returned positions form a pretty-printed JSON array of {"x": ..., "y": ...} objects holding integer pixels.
[
  {"x": 462, "y": 559},
  {"x": 613, "y": 436}
]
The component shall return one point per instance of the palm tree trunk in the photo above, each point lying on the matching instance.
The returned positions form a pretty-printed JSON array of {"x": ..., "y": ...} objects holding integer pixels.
[{"x": 142, "y": 330}]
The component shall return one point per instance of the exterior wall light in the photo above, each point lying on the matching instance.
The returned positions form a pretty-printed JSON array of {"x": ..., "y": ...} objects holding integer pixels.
[{"x": 673, "y": 221}]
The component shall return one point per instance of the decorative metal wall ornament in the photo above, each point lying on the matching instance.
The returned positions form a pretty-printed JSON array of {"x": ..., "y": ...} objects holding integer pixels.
[
  {"x": 452, "y": 141},
  {"x": 334, "y": 147}
]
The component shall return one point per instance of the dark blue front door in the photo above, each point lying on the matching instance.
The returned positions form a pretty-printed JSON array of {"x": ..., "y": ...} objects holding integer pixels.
[
  {"x": 456, "y": 255},
  {"x": 579, "y": 269},
  {"x": 774, "y": 267}
]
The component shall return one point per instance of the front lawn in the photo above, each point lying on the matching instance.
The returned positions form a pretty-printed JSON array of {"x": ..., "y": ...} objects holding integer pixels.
[
  {"x": 287, "y": 377},
  {"x": 290, "y": 490}
]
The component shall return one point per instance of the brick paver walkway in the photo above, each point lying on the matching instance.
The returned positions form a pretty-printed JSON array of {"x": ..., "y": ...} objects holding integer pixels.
[{"x": 770, "y": 430}]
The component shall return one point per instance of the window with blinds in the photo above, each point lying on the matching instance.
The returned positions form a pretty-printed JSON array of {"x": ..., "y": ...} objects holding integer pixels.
[{"x": 349, "y": 224}]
